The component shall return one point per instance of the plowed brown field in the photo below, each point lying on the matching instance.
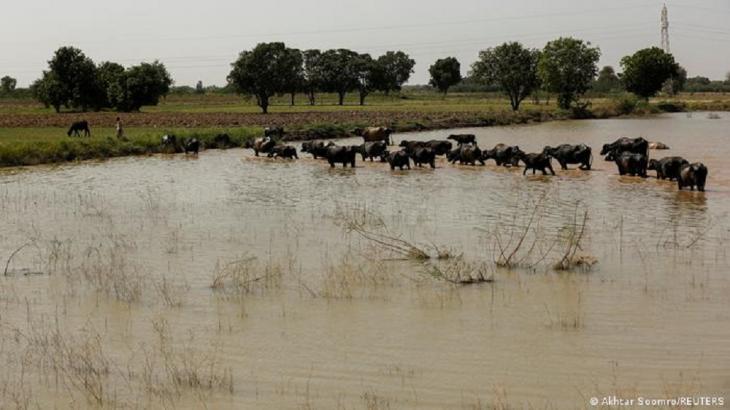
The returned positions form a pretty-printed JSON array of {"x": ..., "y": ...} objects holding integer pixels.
[{"x": 290, "y": 120}]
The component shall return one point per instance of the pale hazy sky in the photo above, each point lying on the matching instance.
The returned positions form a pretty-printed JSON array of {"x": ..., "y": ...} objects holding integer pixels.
[{"x": 198, "y": 40}]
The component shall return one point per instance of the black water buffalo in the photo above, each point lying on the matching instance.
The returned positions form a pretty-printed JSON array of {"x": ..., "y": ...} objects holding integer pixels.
[
  {"x": 342, "y": 155},
  {"x": 283, "y": 151},
  {"x": 398, "y": 159},
  {"x": 410, "y": 146},
  {"x": 191, "y": 145},
  {"x": 462, "y": 139},
  {"x": 667, "y": 167},
  {"x": 424, "y": 155},
  {"x": 169, "y": 143},
  {"x": 440, "y": 147},
  {"x": 373, "y": 149},
  {"x": 371, "y": 134},
  {"x": 466, "y": 154},
  {"x": 222, "y": 141},
  {"x": 629, "y": 163},
  {"x": 318, "y": 149},
  {"x": 261, "y": 145},
  {"x": 536, "y": 161},
  {"x": 272, "y": 132},
  {"x": 79, "y": 126},
  {"x": 693, "y": 175},
  {"x": 624, "y": 144},
  {"x": 503, "y": 154},
  {"x": 571, "y": 154}
]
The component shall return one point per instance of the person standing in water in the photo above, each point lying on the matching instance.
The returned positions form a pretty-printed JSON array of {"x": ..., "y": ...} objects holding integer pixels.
[{"x": 120, "y": 130}]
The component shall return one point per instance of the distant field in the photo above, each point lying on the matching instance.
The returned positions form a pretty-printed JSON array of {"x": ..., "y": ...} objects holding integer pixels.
[{"x": 406, "y": 101}]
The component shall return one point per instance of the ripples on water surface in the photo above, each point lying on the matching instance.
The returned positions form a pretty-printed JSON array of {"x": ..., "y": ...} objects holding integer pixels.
[{"x": 341, "y": 328}]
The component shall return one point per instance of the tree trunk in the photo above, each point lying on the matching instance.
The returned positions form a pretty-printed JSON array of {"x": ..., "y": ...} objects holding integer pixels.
[
  {"x": 362, "y": 98},
  {"x": 292, "y": 98},
  {"x": 342, "y": 98},
  {"x": 264, "y": 103}
]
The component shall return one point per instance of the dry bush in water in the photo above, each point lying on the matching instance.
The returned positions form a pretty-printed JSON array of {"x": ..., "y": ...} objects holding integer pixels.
[
  {"x": 572, "y": 258},
  {"x": 521, "y": 243},
  {"x": 460, "y": 272},
  {"x": 342, "y": 280},
  {"x": 76, "y": 367},
  {"x": 371, "y": 226},
  {"x": 172, "y": 368},
  {"x": 245, "y": 276},
  {"x": 77, "y": 362}
]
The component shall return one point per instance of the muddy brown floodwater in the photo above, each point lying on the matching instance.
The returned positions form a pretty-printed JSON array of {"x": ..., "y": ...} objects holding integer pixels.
[{"x": 228, "y": 281}]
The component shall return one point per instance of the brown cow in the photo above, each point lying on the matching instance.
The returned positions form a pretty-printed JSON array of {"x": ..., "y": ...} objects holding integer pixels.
[{"x": 372, "y": 134}]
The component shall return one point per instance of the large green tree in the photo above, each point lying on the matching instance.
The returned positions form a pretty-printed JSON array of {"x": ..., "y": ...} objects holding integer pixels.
[
  {"x": 295, "y": 80},
  {"x": 607, "y": 80},
  {"x": 313, "y": 81},
  {"x": 7, "y": 84},
  {"x": 510, "y": 66},
  {"x": 392, "y": 70},
  {"x": 262, "y": 72},
  {"x": 340, "y": 72},
  {"x": 111, "y": 77},
  {"x": 567, "y": 67},
  {"x": 445, "y": 72},
  {"x": 366, "y": 70},
  {"x": 144, "y": 85},
  {"x": 70, "y": 81},
  {"x": 49, "y": 91},
  {"x": 647, "y": 70}
]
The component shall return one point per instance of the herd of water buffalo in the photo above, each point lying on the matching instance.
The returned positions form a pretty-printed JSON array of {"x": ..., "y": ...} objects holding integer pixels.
[{"x": 629, "y": 154}]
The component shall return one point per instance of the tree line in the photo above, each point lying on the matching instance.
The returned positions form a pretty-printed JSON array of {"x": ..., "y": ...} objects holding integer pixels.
[
  {"x": 565, "y": 67},
  {"x": 275, "y": 69},
  {"x": 73, "y": 80}
]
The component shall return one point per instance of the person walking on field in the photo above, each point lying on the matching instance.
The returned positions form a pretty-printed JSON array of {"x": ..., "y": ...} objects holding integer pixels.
[{"x": 120, "y": 130}]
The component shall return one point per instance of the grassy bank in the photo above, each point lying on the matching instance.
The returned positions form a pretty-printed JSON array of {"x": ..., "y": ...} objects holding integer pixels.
[{"x": 32, "y": 146}]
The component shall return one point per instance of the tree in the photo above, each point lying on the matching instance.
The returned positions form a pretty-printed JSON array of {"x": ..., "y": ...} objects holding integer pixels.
[
  {"x": 49, "y": 91},
  {"x": 607, "y": 80},
  {"x": 392, "y": 70},
  {"x": 199, "y": 89},
  {"x": 727, "y": 77},
  {"x": 340, "y": 72},
  {"x": 510, "y": 66},
  {"x": 313, "y": 80},
  {"x": 7, "y": 84},
  {"x": 445, "y": 73},
  {"x": 678, "y": 81},
  {"x": 262, "y": 72},
  {"x": 77, "y": 77},
  {"x": 646, "y": 71},
  {"x": 295, "y": 77},
  {"x": 144, "y": 84},
  {"x": 112, "y": 80},
  {"x": 567, "y": 67},
  {"x": 366, "y": 69}
]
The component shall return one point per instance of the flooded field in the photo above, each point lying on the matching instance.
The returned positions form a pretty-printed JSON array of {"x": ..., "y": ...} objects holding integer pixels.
[{"x": 228, "y": 281}]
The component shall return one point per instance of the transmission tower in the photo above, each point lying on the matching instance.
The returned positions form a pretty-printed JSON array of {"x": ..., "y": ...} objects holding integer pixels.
[{"x": 665, "y": 29}]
